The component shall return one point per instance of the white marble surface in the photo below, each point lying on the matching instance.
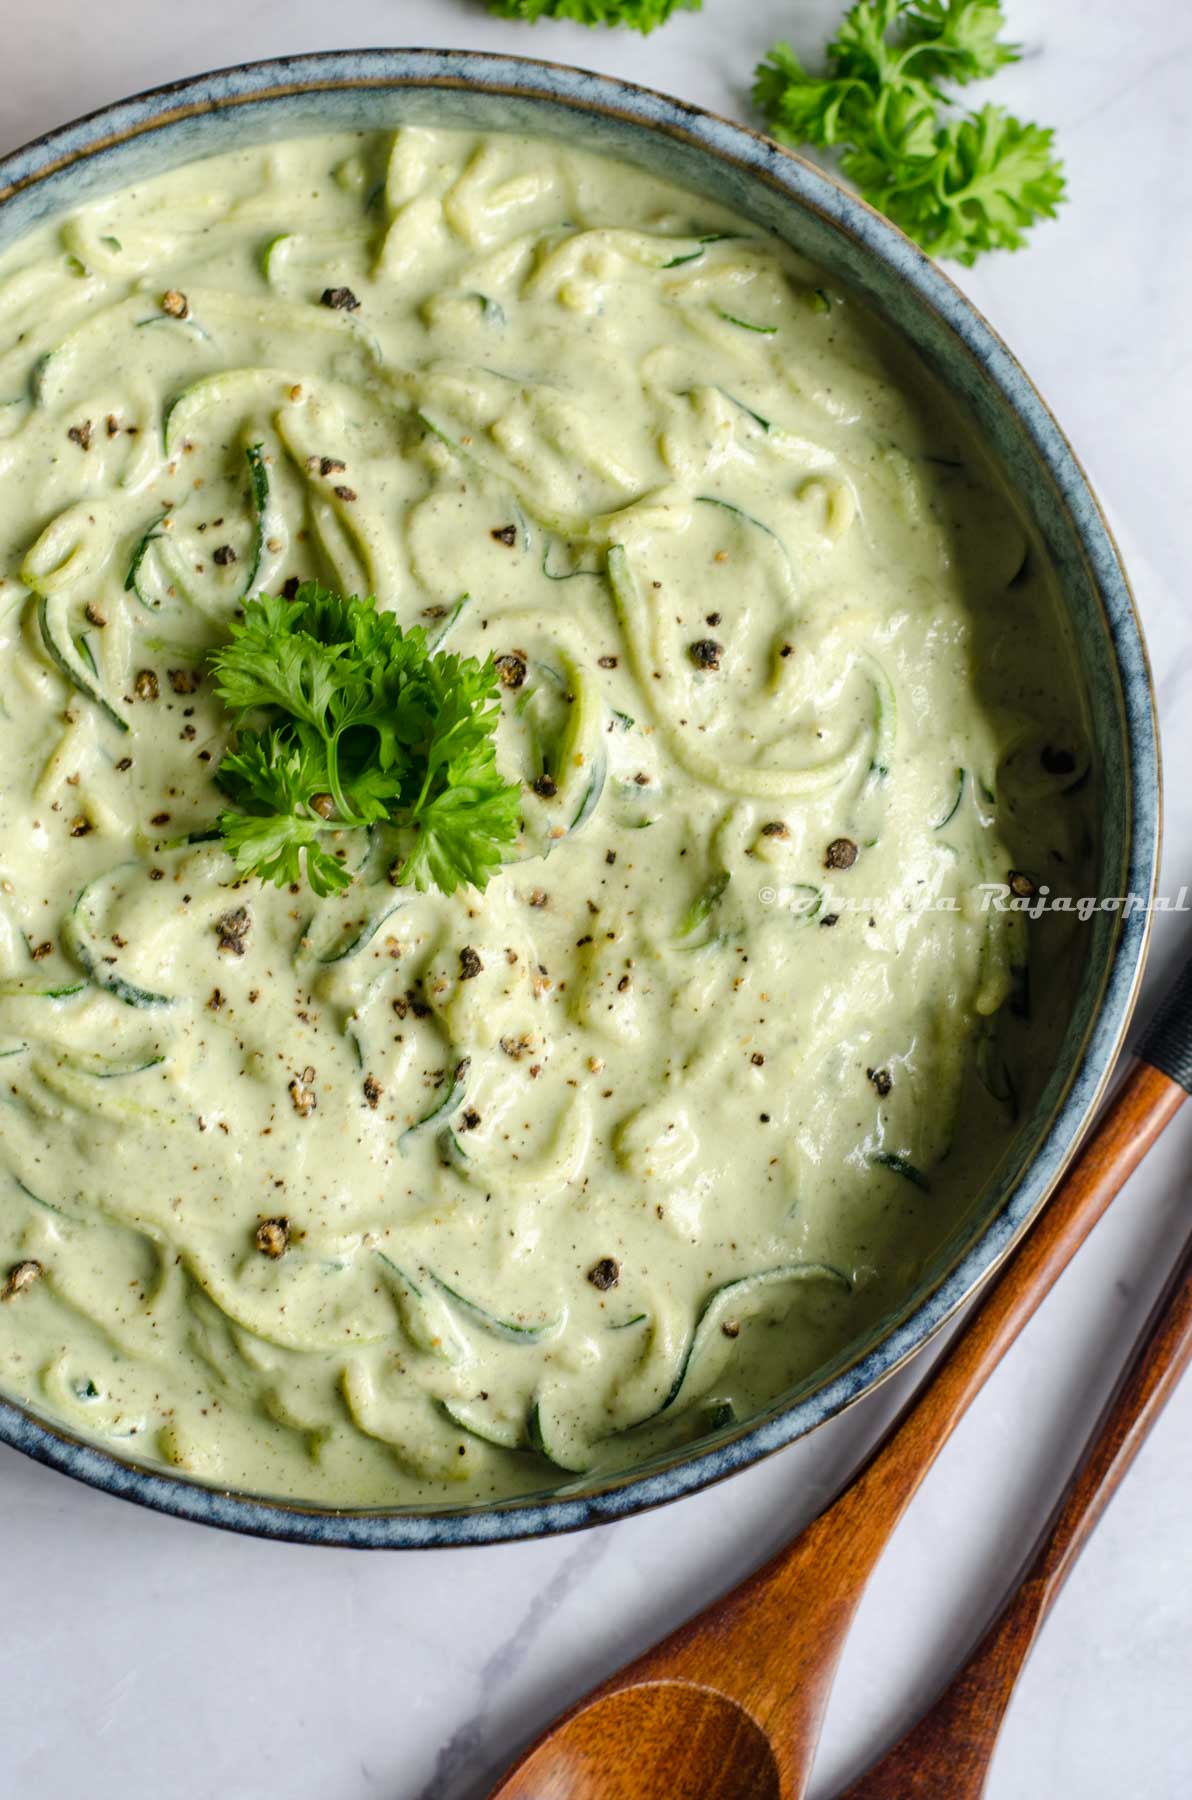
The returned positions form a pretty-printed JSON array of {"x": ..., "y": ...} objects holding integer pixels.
[{"x": 141, "y": 1656}]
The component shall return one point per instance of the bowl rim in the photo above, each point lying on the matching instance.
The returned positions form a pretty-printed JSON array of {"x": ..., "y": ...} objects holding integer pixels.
[{"x": 587, "y": 92}]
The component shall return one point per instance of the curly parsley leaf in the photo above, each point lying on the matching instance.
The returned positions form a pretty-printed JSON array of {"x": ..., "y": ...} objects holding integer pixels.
[
  {"x": 361, "y": 724},
  {"x": 958, "y": 183},
  {"x": 639, "y": 15}
]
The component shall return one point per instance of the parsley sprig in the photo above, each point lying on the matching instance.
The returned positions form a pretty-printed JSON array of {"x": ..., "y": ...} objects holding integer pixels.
[
  {"x": 357, "y": 723},
  {"x": 958, "y": 183},
  {"x": 640, "y": 15}
]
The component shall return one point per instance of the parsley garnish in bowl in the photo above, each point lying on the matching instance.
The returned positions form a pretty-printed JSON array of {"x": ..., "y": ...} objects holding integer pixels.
[{"x": 357, "y": 723}]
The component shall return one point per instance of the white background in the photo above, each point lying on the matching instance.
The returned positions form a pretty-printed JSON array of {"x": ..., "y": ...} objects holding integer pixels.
[{"x": 142, "y": 1656}]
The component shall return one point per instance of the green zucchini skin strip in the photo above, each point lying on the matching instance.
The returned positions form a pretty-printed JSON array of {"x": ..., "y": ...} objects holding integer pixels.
[
  {"x": 762, "y": 423},
  {"x": 436, "y": 638},
  {"x": 961, "y": 784},
  {"x": 76, "y": 677},
  {"x": 742, "y": 1286},
  {"x": 591, "y": 799},
  {"x": 258, "y": 488},
  {"x": 442, "y": 1109},
  {"x": 899, "y": 1165},
  {"x": 539, "y": 1443},
  {"x": 993, "y": 1071},
  {"x": 508, "y": 1330},
  {"x": 747, "y": 324},
  {"x": 702, "y": 906},
  {"x": 98, "y": 972},
  {"x": 363, "y": 936},
  {"x": 571, "y": 574},
  {"x": 22, "y": 987},
  {"x": 739, "y": 512},
  {"x": 132, "y": 581},
  {"x": 459, "y": 1412}
]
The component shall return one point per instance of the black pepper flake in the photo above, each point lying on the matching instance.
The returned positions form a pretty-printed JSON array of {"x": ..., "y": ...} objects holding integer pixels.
[
  {"x": 776, "y": 828},
  {"x": 705, "y": 653},
  {"x": 830, "y": 919},
  {"x": 94, "y": 616},
  {"x": 331, "y": 465},
  {"x": 224, "y": 555},
  {"x": 1021, "y": 886},
  {"x": 605, "y": 1274},
  {"x": 21, "y": 1276},
  {"x": 607, "y": 662},
  {"x": 731, "y": 1328},
  {"x": 881, "y": 1080},
  {"x": 232, "y": 930},
  {"x": 610, "y": 857},
  {"x": 157, "y": 874},
  {"x": 372, "y": 1091},
  {"x": 340, "y": 299},
  {"x": 622, "y": 984},
  {"x": 764, "y": 1117},
  {"x": 511, "y": 669},
  {"x": 81, "y": 435},
  {"x": 81, "y": 826},
  {"x": 41, "y": 950},
  {"x": 145, "y": 686},
  {"x": 469, "y": 963},
  {"x": 124, "y": 765},
  {"x": 302, "y": 1092},
  {"x": 289, "y": 588},
  {"x": 175, "y": 304},
  {"x": 504, "y": 534},
  {"x": 757, "y": 1059},
  {"x": 840, "y": 854},
  {"x": 470, "y": 1119},
  {"x": 184, "y": 681},
  {"x": 161, "y": 818},
  {"x": 580, "y": 942},
  {"x": 273, "y": 1237},
  {"x": 545, "y": 786},
  {"x": 216, "y": 1001},
  {"x": 1057, "y": 762},
  {"x": 344, "y": 493},
  {"x": 712, "y": 619}
]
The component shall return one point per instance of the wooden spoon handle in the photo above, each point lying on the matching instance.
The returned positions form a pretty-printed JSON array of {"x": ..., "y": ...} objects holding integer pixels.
[{"x": 947, "y": 1754}]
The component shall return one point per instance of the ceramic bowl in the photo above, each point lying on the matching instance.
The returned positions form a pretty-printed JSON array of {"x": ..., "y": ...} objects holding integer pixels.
[{"x": 382, "y": 88}]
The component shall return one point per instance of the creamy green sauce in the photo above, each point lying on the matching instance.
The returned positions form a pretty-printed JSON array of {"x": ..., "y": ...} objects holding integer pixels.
[{"x": 395, "y": 1197}]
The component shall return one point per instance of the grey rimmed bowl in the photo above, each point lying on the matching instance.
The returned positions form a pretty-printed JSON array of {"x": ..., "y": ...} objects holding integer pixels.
[{"x": 381, "y": 88}]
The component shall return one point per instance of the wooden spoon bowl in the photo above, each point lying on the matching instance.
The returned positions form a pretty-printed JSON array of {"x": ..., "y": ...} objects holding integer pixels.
[{"x": 669, "y": 1737}]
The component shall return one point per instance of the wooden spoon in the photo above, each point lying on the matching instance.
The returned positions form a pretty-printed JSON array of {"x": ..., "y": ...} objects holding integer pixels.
[
  {"x": 947, "y": 1754},
  {"x": 730, "y": 1706}
]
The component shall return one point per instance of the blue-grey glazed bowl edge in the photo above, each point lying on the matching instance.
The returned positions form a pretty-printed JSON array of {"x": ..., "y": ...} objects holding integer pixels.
[{"x": 256, "y": 102}]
